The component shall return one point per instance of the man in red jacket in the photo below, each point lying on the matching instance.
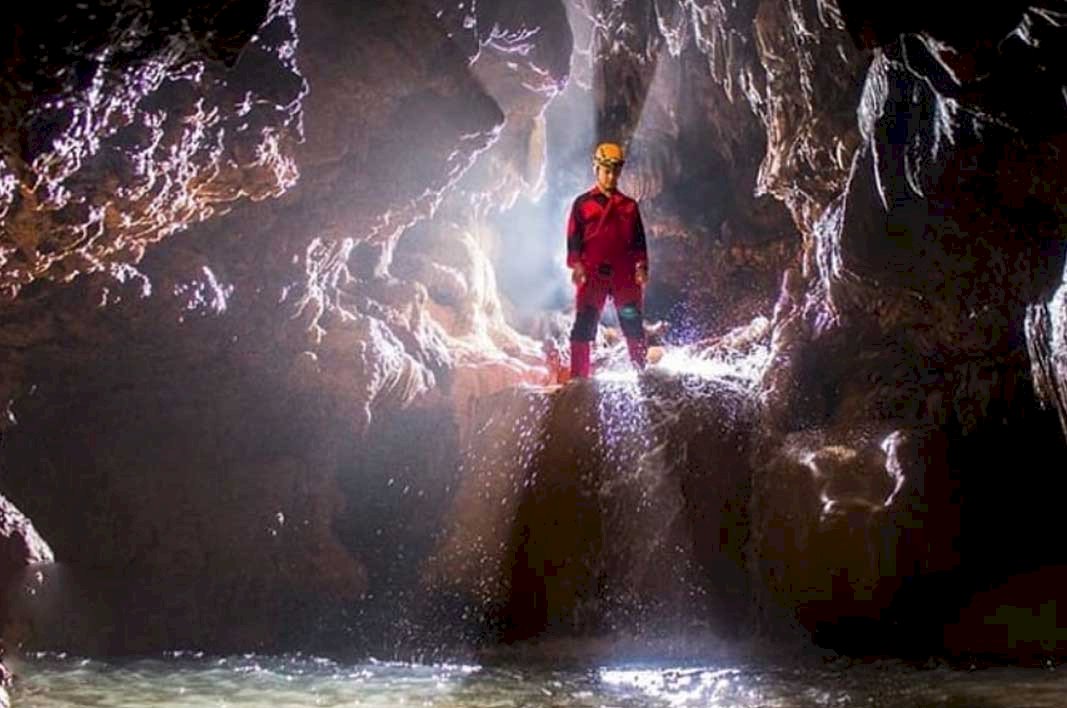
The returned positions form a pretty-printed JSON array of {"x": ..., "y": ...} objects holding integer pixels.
[{"x": 607, "y": 255}]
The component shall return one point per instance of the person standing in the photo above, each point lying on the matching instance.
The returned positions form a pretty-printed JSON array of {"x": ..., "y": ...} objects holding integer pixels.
[{"x": 608, "y": 257}]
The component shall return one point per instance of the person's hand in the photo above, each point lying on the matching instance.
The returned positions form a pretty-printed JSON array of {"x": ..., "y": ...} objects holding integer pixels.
[
  {"x": 641, "y": 274},
  {"x": 578, "y": 274}
]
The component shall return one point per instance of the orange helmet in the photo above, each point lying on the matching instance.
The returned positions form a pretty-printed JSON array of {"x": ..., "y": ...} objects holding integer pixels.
[{"x": 609, "y": 155}]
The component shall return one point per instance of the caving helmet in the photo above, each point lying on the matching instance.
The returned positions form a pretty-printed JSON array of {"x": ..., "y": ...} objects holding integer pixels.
[{"x": 609, "y": 155}]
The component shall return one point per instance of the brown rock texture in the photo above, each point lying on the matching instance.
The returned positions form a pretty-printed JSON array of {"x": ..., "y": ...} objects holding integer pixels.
[
  {"x": 922, "y": 273},
  {"x": 216, "y": 527},
  {"x": 588, "y": 511},
  {"x": 22, "y": 545},
  {"x": 143, "y": 123},
  {"x": 845, "y": 517},
  {"x": 300, "y": 340},
  {"x": 21, "y": 550}
]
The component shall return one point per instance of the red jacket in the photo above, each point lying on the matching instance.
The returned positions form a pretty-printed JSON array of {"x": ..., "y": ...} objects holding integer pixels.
[{"x": 604, "y": 229}]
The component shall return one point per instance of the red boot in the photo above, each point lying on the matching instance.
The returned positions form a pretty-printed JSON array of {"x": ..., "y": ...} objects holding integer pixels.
[
  {"x": 579, "y": 360},
  {"x": 638, "y": 349}
]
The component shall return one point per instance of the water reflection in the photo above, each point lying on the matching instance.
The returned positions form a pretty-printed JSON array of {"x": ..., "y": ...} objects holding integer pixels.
[
  {"x": 184, "y": 680},
  {"x": 675, "y": 687}
]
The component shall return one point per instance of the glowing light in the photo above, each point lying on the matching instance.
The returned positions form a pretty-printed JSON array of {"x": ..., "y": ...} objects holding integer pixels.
[
  {"x": 893, "y": 467},
  {"x": 207, "y": 294},
  {"x": 620, "y": 376},
  {"x": 744, "y": 368},
  {"x": 686, "y": 687},
  {"x": 126, "y": 273}
]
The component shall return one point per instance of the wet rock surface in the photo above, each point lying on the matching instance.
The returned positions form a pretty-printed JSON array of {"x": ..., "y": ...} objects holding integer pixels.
[{"x": 588, "y": 511}]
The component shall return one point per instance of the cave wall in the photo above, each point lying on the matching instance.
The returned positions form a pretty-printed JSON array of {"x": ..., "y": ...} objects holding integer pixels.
[
  {"x": 144, "y": 388},
  {"x": 913, "y": 318}
]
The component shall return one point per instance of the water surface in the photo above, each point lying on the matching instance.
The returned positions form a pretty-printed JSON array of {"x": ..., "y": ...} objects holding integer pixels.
[{"x": 187, "y": 680}]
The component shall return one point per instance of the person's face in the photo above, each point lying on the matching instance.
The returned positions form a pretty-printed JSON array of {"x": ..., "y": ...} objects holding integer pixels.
[{"x": 607, "y": 176}]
